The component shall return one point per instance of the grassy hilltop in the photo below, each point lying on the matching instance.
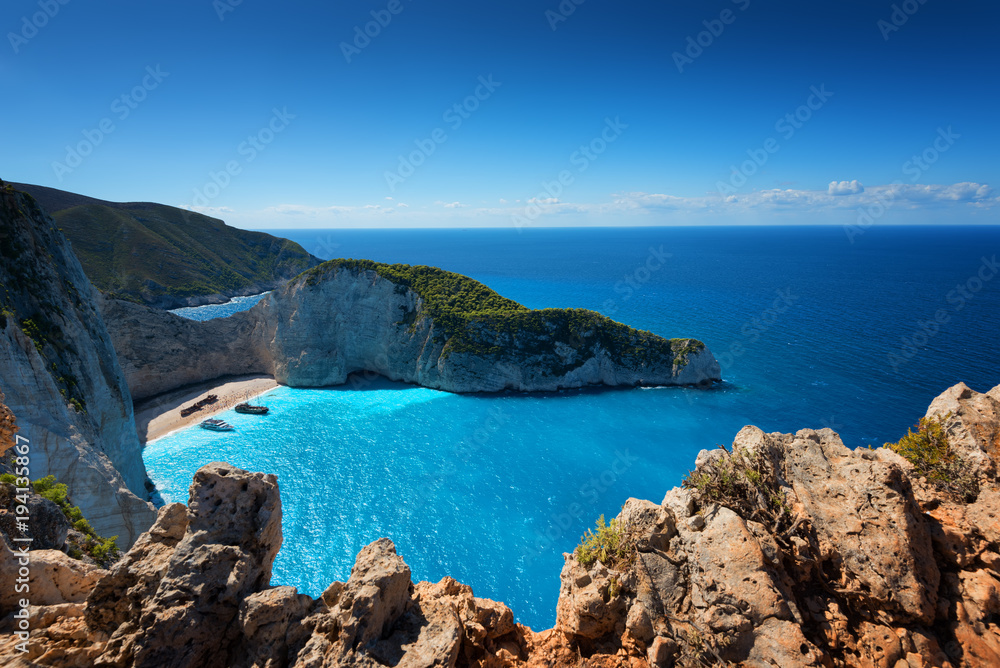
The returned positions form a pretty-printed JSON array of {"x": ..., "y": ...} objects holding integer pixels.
[
  {"x": 161, "y": 255},
  {"x": 475, "y": 319}
]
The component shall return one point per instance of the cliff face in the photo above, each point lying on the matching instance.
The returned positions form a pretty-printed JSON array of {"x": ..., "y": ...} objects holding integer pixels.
[
  {"x": 60, "y": 373},
  {"x": 838, "y": 558},
  {"x": 318, "y": 329},
  {"x": 349, "y": 319},
  {"x": 160, "y": 351}
]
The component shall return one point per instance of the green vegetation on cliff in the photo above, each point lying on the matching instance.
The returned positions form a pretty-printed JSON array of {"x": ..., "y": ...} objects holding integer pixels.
[
  {"x": 102, "y": 550},
  {"x": 475, "y": 319},
  {"x": 932, "y": 456},
  {"x": 607, "y": 544},
  {"x": 160, "y": 255}
]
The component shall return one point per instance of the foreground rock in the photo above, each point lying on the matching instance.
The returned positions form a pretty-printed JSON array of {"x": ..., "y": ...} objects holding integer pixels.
[
  {"x": 195, "y": 591},
  {"x": 846, "y": 558},
  {"x": 347, "y": 317},
  {"x": 61, "y": 376}
]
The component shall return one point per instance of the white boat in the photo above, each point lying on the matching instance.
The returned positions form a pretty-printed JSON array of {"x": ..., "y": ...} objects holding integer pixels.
[{"x": 216, "y": 425}]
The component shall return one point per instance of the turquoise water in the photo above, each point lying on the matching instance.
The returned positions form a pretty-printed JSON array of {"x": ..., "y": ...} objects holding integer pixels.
[
  {"x": 488, "y": 490},
  {"x": 493, "y": 489}
]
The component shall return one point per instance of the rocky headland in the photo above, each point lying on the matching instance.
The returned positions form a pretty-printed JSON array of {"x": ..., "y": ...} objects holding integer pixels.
[
  {"x": 783, "y": 550},
  {"x": 417, "y": 325},
  {"x": 73, "y": 361},
  {"x": 60, "y": 373}
]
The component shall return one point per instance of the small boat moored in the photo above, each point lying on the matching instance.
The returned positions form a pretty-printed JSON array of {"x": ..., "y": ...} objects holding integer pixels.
[
  {"x": 216, "y": 425},
  {"x": 251, "y": 410}
]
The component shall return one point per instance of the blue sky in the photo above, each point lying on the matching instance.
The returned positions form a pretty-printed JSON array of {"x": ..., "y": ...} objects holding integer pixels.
[{"x": 276, "y": 115}]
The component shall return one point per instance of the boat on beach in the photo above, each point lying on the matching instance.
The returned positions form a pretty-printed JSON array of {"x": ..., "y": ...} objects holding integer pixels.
[
  {"x": 195, "y": 407},
  {"x": 213, "y": 424}
]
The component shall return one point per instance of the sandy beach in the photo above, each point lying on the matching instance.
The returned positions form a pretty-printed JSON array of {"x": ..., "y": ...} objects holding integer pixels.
[{"x": 160, "y": 415}]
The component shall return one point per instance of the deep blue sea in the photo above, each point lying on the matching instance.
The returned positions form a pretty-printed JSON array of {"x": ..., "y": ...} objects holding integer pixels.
[{"x": 811, "y": 330}]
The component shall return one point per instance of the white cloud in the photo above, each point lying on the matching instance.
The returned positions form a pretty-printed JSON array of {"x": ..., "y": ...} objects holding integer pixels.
[
  {"x": 845, "y": 188},
  {"x": 642, "y": 208}
]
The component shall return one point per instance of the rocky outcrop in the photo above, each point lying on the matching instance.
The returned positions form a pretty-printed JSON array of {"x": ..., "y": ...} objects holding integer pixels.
[
  {"x": 48, "y": 524},
  {"x": 195, "y": 591},
  {"x": 53, "y": 578},
  {"x": 60, "y": 374},
  {"x": 823, "y": 557},
  {"x": 343, "y": 318},
  {"x": 338, "y": 320}
]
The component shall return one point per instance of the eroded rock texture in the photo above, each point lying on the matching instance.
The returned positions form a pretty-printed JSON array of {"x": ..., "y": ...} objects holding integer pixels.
[{"x": 868, "y": 565}]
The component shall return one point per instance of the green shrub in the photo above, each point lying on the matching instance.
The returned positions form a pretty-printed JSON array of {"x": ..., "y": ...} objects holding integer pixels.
[
  {"x": 83, "y": 526},
  {"x": 928, "y": 450},
  {"x": 48, "y": 488},
  {"x": 103, "y": 548},
  {"x": 743, "y": 482},
  {"x": 607, "y": 545},
  {"x": 8, "y": 478}
]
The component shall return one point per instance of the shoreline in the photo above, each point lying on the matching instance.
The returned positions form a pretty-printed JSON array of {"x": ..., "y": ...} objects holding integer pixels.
[{"x": 160, "y": 416}]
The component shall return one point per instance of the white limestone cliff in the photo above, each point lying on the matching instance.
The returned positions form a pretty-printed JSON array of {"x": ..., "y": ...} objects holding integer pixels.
[{"x": 54, "y": 348}]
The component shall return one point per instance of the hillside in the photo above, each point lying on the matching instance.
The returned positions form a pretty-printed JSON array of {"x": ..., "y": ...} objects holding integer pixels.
[{"x": 168, "y": 257}]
